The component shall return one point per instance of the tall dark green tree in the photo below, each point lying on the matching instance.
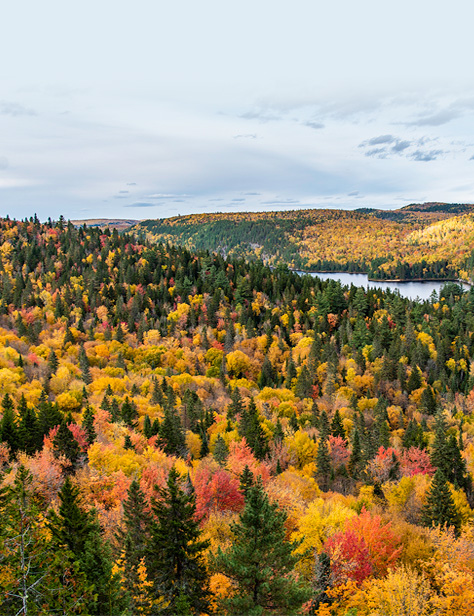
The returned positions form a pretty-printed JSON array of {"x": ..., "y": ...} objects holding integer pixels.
[
  {"x": 337, "y": 429},
  {"x": 65, "y": 444},
  {"x": 323, "y": 463},
  {"x": 133, "y": 540},
  {"x": 29, "y": 436},
  {"x": 175, "y": 561},
  {"x": 88, "y": 424},
  {"x": 171, "y": 435},
  {"x": 260, "y": 562},
  {"x": 77, "y": 529},
  {"x": 439, "y": 509},
  {"x": 8, "y": 427}
]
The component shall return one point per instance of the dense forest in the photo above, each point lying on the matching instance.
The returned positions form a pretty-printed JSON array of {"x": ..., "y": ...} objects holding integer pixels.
[
  {"x": 183, "y": 433},
  {"x": 432, "y": 240}
]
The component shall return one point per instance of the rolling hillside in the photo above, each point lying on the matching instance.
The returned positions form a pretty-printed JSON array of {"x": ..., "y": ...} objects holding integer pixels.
[{"x": 431, "y": 240}]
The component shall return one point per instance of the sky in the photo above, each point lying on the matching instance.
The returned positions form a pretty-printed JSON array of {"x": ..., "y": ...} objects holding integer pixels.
[{"x": 150, "y": 109}]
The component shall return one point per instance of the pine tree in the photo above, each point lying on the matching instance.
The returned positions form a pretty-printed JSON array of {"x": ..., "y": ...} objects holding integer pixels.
[
  {"x": 88, "y": 424},
  {"x": 246, "y": 480},
  {"x": 175, "y": 562},
  {"x": 414, "y": 381},
  {"x": 428, "y": 401},
  {"x": 84, "y": 365},
  {"x": 439, "y": 453},
  {"x": 133, "y": 539},
  {"x": 171, "y": 434},
  {"x": 147, "y": 427},
  {"x": 303, "y": 387},
  {"x": 440, "y": 509},
  {"x": 337, "y": 428},
  {"x": 29, "y": 437},
  {"x": 221, "y": 451},
  {"x": 323, "y": 463},
  {"x": 267, "y": 375},
  {"x": 278, "y": 433},
  {"x": 254, "y": 433},
  {"x": 356, "y": 460},
  {"x": 35, "y": 580},
  {"x": 290, "y": 372},
  {"x": 8, "y": 427},
  {"x": 260, "y": 562},
  {"x": 236, "y": 407},
  {"x": 129, "y": 413},
  {"x": 78, "y": 530},
  {"x": 65, "y": 444}
]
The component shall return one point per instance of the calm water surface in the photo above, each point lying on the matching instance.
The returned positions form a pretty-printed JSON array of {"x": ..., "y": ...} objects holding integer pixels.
[{"x": 411, "y": 290}]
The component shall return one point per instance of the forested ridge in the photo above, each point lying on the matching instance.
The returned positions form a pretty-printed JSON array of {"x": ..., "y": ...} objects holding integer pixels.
[
  {"x": 182, "y": 433},
  {"x": 382, "y": 243}
]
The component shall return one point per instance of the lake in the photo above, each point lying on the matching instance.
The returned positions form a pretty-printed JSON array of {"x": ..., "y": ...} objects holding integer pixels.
[{"x": 411, "y": 290}]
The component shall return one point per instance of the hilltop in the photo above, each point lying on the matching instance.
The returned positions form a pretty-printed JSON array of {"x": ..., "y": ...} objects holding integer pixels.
[{"x": 386, "y": 244}]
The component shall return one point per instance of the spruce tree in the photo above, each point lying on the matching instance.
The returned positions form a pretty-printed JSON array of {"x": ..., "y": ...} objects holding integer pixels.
[
  {"x": 356, "y": 461},
  {"x": 221, "y": 451},
  {"x": 337, "y": 428},
  {"x": 78, "y": 530},
  {"x": 175, "y": 561},
  {"x": 88, "y": 424},
  {"x": 29, "y": 437},
  {"x": 323, "y": 463},
  {"x": 65, "y": 444},
  {"x": 260, "y": 562},
  {"x": 8, "y": 427},
  {"x": 133, "y": 539},
  {"x": 246, "y": 480},
  {"x": 171, "y": 434},
  {"x": 440, "y": 509}
]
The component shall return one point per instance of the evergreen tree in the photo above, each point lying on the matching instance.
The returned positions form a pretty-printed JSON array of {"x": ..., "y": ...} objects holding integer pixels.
[
  {"x": 175, "y": 562},
  {"x": 356, "y": 460},
  {"x": 129, "y": 413},
  {"x": 414, "y": 381},
  {"x": 147, "y": 427},
  {"x": 49, "y": 417},
  {"x": 246, "y": 480},
  {"x": 290, "y": 372},
  {"x": 323, "y": 463},
  {"x": 88, "y": 424},
  {"x": 29, "y": 437},
  {"x": 260, "y": 562},
  {"x": 65, "y": 444},
  {"x": 440, "y": 509},
  {"x": 439, "y": 453},
  {"x": 337, "y": 429},
  {"x": 78, "y": 530},
  {"x": 428, "y": 401},
  {"x": 171, "y": 434},
  {"x": 236, "y": 407},
  {"x": 84, "y": 365},
  {"x": 278, "y": 433},
  {"x": 303, "y": 387},
  {"x": 133, "y": 539},
  {"x": 35, "y": 579},
  {"x": 267, "y": 375},
  {"x": 221, "y": 451},
  {"x": 8, "y": 427},
  {"x": 254, "y": 432}
]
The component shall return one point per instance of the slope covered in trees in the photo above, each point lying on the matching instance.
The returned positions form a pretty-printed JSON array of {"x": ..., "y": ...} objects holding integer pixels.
[
  {"x": 185, "y": 434},
  {"x": 425, "y": 241}
]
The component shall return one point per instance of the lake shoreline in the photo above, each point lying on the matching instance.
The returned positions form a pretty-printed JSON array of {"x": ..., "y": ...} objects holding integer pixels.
[{"x": 395, "y": 280}]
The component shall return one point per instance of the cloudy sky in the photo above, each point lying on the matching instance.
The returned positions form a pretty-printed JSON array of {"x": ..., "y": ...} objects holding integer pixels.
[{"x": 148, "y": 109}]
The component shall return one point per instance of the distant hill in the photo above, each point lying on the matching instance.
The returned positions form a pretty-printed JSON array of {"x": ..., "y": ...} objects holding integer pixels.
[
  {"x": 445, "y": 208},
  {"x": 104, "y": 223},
  {"x": 386, "y": 244}
]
